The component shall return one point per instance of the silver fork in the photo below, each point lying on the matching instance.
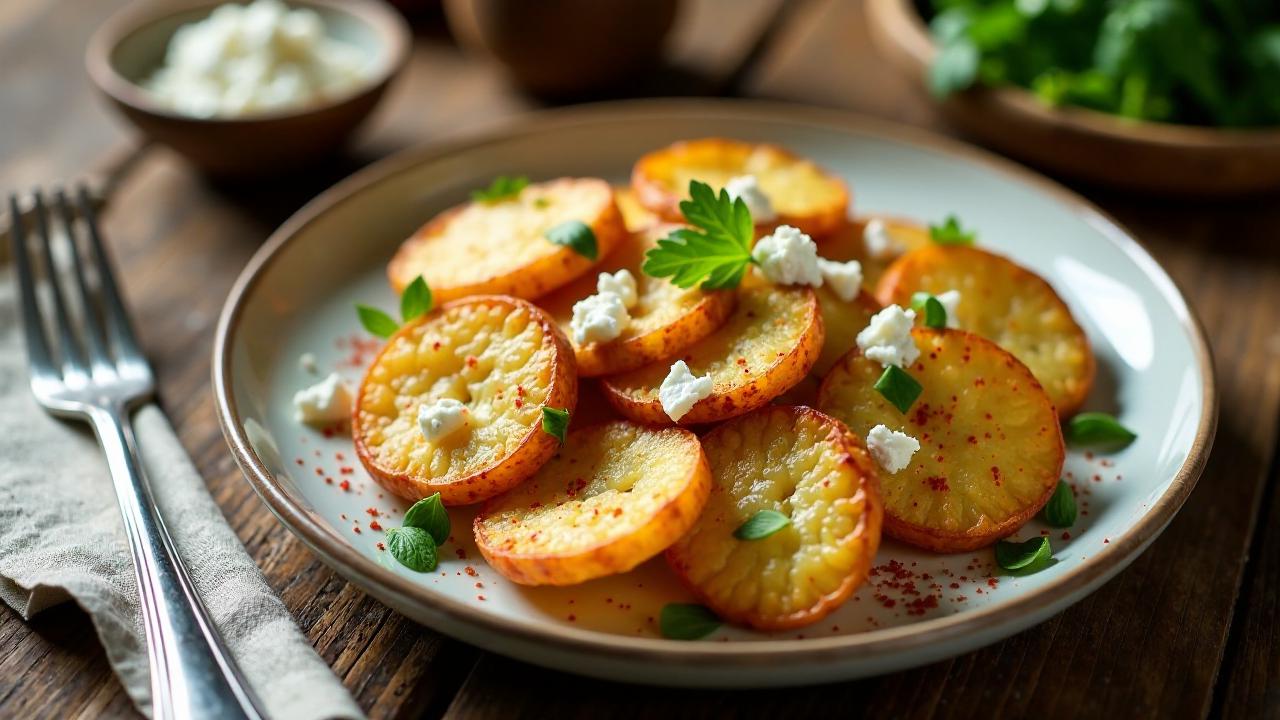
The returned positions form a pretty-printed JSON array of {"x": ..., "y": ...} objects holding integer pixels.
[{"x": 87, "y": 365}]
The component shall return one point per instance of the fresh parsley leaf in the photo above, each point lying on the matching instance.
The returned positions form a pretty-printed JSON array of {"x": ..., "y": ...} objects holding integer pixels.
[
  {"x": 555, "y": 422},
  {"x": 935, "y": 314},
  {"x": 762, "y": 525},
  {"x": 716, "y": 253},
  {"x": 416, "y": 299},
  {"x": 430, "y": 515},
  {"x": 1024, "y": 557},
  {"x": 1098, "y": 429},
  {"x": 376, "y": 321},
  {"x": 899, "y": 388},
  {"x": 413, "y": 548},
  {"x": 950, "y": 233},
  {"x": 686, "y": 621},
  {"x": 577, "y": 236},
  {"x": 502, "y": 188},
  {"x": 1060, "y": 511}
]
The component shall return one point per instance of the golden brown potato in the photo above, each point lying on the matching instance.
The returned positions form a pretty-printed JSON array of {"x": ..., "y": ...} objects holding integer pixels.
[
  {"x": 803, "y": 195},
  {"x": 848, "y": 242},
  {"x": 636, "y": 216},
  {"x": 1004, "y": 302},
  {"x": 991, "y": 450},
  {"x": 616, "y": 495},
  {"x": 842, "y": 321},
  {"x": 501, "y": 247},
  {"x": 501, "y": 357},
  {"x": 664, "y": 322},
  {"x": 768, "y": 345},
  {"x": 811, "y": 469}
]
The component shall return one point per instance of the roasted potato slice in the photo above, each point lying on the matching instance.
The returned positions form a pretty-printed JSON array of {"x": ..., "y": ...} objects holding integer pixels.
[
  {"x": 809, "y": 467},
  {"x": 664, "y": 322},
  {"x": 842, "y": 320},
  {"x": 769, "y": 344},
  {"x": 504, "y": 359},
  {"x": 1004, "y": 302},
  {"x": 635, "y": 216},
  {"x": 803, "y": 195},
  {"x": 849, "y": 242},
  {"x": 991, "y": 449},
  {"x": 616, "y": 495},
  {"x": 501, "y": 247}
]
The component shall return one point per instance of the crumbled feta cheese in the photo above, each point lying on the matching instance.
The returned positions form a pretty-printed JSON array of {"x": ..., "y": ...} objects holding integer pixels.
[
  {"x": 880, "y": 245},
  {"x": 327, "y": 401},
  {"x": 307, "y": 362},
  {"x": 621, "y": 283},
  {"x": 844, "y": 278},
  {"x": 599, "y": 318},
  {"x": 681, "y": 390},
  {"x": 747, "y": 188},
  {"x": 891, "y": 449},
  {"x": 887, "y": 338},
  {"x": 950, "y": 301},
  {"x": 788, "y": 257},
  {"x": 441, "y": 418}
]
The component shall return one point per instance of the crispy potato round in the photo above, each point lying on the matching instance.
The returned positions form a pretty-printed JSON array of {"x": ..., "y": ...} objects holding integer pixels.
[
  {"x": 809, "y": 467},
  {"x": 991, "y": 449},
  {"x": 848, "y": 242},
  {"x": 1004, "y": 302},
  {"x": 634, "y": 215},
  {"x": 664, "y": 322},
  {"x": 768, "y": 345},
  {"x": 504, "y": 359},
  {"x": 842, "y": 321},
  {"x": 501, "y": 247},
  {"x": 803, "y": 195},
  {"x": 616, "y": 495}
]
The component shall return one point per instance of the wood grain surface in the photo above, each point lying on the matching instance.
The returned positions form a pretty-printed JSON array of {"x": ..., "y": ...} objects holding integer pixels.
[{"x": 1188, "y": 631}]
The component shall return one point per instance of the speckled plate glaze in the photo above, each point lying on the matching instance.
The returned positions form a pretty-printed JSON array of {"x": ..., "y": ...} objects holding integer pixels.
[{"x": 296, "y": 296}]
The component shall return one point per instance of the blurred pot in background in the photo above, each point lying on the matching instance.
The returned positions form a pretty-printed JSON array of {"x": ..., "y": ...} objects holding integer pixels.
[{"x": 562, "y": 47}]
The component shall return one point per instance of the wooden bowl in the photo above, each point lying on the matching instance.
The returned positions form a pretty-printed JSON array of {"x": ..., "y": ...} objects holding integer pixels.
[
  {"x": 132, "y": 44},
  {"x": 1085, "y": 144}
]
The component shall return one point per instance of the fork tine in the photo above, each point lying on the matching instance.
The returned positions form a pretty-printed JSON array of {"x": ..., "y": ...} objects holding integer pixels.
[
  {"x": 37, "y": 347},
  {"x": 93, "y": 335},
  {"x": 73, "y": 363},
  {"x": 119, "y": 329}
]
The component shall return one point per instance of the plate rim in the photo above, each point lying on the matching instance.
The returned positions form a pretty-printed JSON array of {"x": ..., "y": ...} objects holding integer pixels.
[{"x": 983, "y": 622}]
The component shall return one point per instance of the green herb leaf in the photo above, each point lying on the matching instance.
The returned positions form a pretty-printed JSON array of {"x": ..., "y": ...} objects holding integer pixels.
[
  {"x": 687, "y": 621},
  {"x": 376, "y": 321},
  {"x": 413, "y": 548},
  {"x": 1098, "y": 429},
  {"x": 950, "y": 233},
  {"x": 1060, "y": 511},
  {"x": 430, "y": 515},
  {"x": 717, "y": 253},
  {"x": 577, "y": 236},
  {"x": 555, "y": 422},
  {"x": 762, "y": 525},
  {"x": 416, "y": 299},
  {"x": 898, "y": 387},
  {"x": 1026, "y": 556},
  {"x": 935, "y": 314},
  {"x": 955, "y": 68},
  {"x": 502, "y": 188}
]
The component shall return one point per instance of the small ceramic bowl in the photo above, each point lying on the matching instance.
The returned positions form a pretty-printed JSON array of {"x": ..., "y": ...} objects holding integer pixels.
[
  {"x": 132, "y": 44},
  {"x": 1085, "y": 144}
]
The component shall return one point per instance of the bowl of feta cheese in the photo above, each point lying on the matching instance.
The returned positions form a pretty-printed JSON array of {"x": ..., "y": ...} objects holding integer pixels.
[{"x": 249, "y": 89}]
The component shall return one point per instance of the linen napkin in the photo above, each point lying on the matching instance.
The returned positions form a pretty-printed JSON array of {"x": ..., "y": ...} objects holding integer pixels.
[{"x": 61, "y": 537}]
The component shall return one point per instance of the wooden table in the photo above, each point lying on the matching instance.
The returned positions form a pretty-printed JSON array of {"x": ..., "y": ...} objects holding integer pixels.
[{"x": 1190, "y": 629}]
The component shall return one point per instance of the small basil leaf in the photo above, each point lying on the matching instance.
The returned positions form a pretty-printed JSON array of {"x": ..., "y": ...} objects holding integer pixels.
[
  {"x": 502, "y": 188},
  {"x": 1095, "y": 428},
  {"x": 416, "y": 299},
  {"x": 577, "y": 236},
  {"x": 899, "y": 388},
  {"x": 1026, "y": 556},
  {"x": 686, "y": 621},
  {"x": 430, "y": 515},
  {"x": 413, "y": 548},
  {"x": 555, "y": 422},
  {"x": 1060, "y": 511},
  {"x": 950, "y": 233},
  {"x": 762, "y": 525},
  {"x": 376, "y": 321}
]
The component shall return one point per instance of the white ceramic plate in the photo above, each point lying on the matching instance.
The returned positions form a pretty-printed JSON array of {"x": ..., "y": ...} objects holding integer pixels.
[{"x": 297, "y": 295}]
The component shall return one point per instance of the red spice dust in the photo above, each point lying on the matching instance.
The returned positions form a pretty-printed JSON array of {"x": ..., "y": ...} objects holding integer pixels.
[
  {"x": 355, "y": 529},
  {"x": 373, "y": 511},
  {"x": 937, "y": 483},
  {"x": 345, "y": 485},
  {"x": 470, "y": 571},
  {"x": 375, "y": 525},
  {"x": 382, "y": 546}
]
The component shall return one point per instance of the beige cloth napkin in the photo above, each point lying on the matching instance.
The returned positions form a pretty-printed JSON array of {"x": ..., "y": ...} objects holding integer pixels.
[{"x": 61, "y": 538}]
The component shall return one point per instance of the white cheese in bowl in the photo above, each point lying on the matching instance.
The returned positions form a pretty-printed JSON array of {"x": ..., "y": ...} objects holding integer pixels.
[{"x": 253, "y": 59}]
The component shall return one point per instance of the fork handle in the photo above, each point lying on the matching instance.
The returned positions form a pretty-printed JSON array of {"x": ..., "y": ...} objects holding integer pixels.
[{"x": 192, "y": 673}]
